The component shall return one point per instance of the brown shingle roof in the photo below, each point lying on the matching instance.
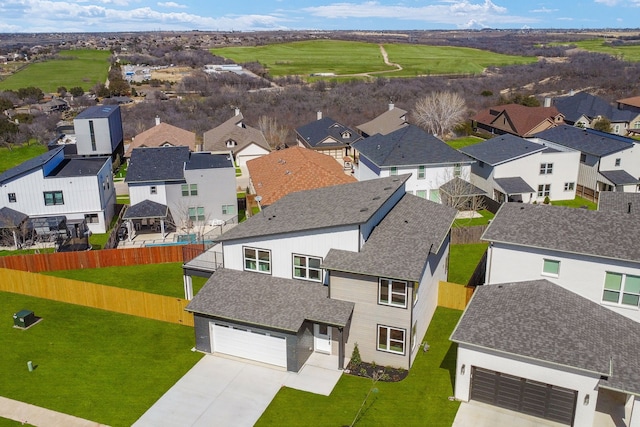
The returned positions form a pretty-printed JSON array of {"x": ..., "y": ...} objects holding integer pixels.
[
  {"x": 634, "y": 101},
  {"x": 233, "y": 129},
  {"x": 294, "y": 169},
  {"x": 387, "y": 122},
  {"x": 518, "y": 119},
  {"x": 163, "y": 134}
]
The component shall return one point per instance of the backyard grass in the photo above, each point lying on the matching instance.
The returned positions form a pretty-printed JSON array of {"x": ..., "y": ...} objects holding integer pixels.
[
  {"x": 423, "y": 394},
  {"x": 19, "y": 154},
  {"x": 123, "y": 199},
  {"x": 82, "y": 68},
  {"x": 459, "y": 143},
  {"x": 26, "y": 251},
  {"x": 463, "y": 260},
  {"x": 578, "y": 202},
  {"x": 327, "y": 56},
  {"x": 94, "y": 364},
  {"x": 162, "y": 279},
  {"x": 628, "y": 53},
  {"x": 470, "y": 222}
]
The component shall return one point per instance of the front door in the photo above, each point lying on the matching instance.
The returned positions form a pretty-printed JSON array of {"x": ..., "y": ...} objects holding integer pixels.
[{"x": 322, "y": 338}]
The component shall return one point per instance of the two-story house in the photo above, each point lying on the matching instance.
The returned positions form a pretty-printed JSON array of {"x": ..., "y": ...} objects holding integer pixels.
[
  {"x": 510, "y": 168},
  {"x": 391, "y": 120},
  {"x": 429, "y": 160},
  {"x": 99, "y": 132},
  {"x": 163, "y": 135},
  {"x": 516, "y": 119},
  {"x": 323, "y": 270}
]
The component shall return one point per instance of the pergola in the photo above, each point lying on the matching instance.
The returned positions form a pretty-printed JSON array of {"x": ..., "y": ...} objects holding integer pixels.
[{"x": 147, "y": 210}]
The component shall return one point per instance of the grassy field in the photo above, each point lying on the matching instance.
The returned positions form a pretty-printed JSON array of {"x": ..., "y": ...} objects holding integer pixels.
[
  {"x": 628, "y": 53},
  {"x": 94, "y": 364},
  {"x": 84, "y": 68},
  {"x": 463, "y": 260},
  {"x": 423, "y": 393},
  {"x": 342, "y": 57},
  {"x": 17, "y": 155}
]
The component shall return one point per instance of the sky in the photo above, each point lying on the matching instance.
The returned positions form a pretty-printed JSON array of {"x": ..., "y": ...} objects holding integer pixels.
[{"x": 37, "y": 16}]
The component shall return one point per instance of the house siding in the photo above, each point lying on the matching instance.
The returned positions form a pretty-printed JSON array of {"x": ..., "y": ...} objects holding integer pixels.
[{"x": 141, "y": 192}]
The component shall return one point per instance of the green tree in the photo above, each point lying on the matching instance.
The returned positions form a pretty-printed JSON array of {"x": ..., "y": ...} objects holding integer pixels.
[
  {"x": 31, "y": 92},
  {"x": 76, "y": 91},
  {"x": 5, "y": 104},
  {"x": 603, "y": 124}
]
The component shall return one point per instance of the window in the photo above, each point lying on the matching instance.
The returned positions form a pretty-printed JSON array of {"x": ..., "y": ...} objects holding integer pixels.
[
  {"x": 392, "y": 292},
  {"x": 434, "y": 195},
  {"x": 457, "y": 170},
  {"x": 346, "y": 134},
  {"x": 391, "y": 339},
  {"x": 569, "y": 186},
  {"x": 228, "y": 209},
  {"x": 422, "y": 172},
  {"x": 52, "y": 198},
  {"x": 618, "y": 162},
  {"x": 551, "y": 267},
  {"x": 153, "y": 189},
  {"x": 421, "y": 193},
  {"x": 258, "y": 260},
  {"x": 91, "y": 218},
  {"x": 546, "y": 168},
  {"x": 583, "y": 158},
  {"x": 307, "y": 268},
  {"x": 12, "y": 197},
  {"x": 393, "y": 170},
  {"x": 623, "y": 289},
  {"x": 189, "y": 190},
  {"x": 185, "y": 190},
  {"x": 544, "y": 190},
  {"x": 231, "y": 143},
  {"x": 92, "y": 134},
  {"x": 196, "y": 214}
]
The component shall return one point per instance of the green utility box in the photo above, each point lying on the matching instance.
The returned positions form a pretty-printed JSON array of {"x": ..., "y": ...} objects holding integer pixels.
[{"x": 24, "y": 318}]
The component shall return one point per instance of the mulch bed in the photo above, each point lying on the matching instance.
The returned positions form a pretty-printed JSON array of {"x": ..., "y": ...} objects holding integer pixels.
[{"x": 384, "y": 373}]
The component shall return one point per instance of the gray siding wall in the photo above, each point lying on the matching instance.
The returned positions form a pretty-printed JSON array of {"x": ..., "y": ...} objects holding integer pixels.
[
  {"x": 203, "y": 337},
  {"x": 303, "y": 347}
]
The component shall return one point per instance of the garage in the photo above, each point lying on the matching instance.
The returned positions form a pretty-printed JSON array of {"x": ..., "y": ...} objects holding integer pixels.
[
  {"x": 523, "y": 395},
  {"x": 242, "y": 160},
  {"x": 248, "y": 344}
]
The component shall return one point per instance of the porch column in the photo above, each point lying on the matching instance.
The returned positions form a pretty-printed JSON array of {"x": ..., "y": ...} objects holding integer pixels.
[
  {"x": 634, "y": 419},
  {"x": 15, "y": 239},
  {"x": 341, "y": 349},
  {"x": 162, "y": 229},
  {"x": 130, "y": 230},
  {"x": 188, "y": 287}
]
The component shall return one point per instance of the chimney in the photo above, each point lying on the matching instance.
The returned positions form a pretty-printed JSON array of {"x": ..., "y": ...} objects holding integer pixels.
[
  {"x": 547, "y": 101},
  {"x": 237, "y": 110},
  {"x": 572, "y": 92},
  {"x": 319, "y": 115},
  {"x": 157, "y": 120},
  {"x": 391, "y": 107}
]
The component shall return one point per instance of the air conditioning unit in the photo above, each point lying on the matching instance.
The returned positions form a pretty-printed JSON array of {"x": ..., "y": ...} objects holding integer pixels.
[{"x": 24, "y": 319}]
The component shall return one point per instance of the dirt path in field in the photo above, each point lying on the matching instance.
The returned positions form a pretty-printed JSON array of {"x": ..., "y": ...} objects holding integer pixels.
[{"x": 385, "y": 57}]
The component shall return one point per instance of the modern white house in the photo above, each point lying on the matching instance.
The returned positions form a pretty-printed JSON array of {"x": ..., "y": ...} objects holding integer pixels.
[
  {"x": 410, "y": 150},
  {"x": 323, "y": 269},
  {"x": 99, "y": 132},
  {"x": 510, "y": 168}
]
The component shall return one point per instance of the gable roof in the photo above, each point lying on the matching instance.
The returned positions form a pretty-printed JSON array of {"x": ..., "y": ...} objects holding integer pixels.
[
  {"x": 268, "y": 301},
  {"x": 338, "y": 205},
  {"x": 400, "y": 244},
  {"x": 146, "y": 209},
  {"x": 620, "y": 202},
  {"x": 588, "y": 141},
  {"x": 408, "y": 146},
  {"x": 458, "y": 187},
  {"x": 517, "y": 119},
  {"x": 577, "y": 231},
  {"x": 513, "y": 185},
  {"x": 293, "y": 169},
  {"x": 29, "y": 165},
  {"x": 11, "y": 218},
  {"x": 591, "y": 106},
  {"x": 233, "y": 129},
  {"x": 162, "y": 134},
  {"x": 542, "y": 321},
  {"x": 317, "y": 133},
  {"x": 387, "y": 122},
  {"x": 619, "y": 177},
  {"x": 157, "y": 164},
  {"x": 502, "y": 149},
  {"x": 633, "y": 101}
]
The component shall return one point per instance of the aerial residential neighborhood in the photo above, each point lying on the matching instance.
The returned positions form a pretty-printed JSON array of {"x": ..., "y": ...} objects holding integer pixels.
[{"x": 221, "y": 244}]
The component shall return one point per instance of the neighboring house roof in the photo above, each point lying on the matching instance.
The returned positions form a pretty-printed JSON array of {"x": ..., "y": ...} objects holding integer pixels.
[
  {"x": 326, "y": 132},
  {"x": 157, "y": 164},
  {"x": 620, "y": 202},
  {"x": 633, "y": 101},
  {"x": 541, "y": 321},
  {"x": 387, "y": 122},
  {"x": 11, "y": 218},
  {"x": 98, "y": 112},
  {"x": 338, "y": 205},
  {"x": 588, "y": 141},
  {"x": 401, "y": 243},
  {"x": 578, "y": 231},
  {"x": 29, "y": 165},
  {"x": 268, "y": 301},
  {"x": 518, "y": 119},
  {"x": 78, "y": 166},
  {"x": 591, "y": 106},
  {"x": 163, "y": 134},
  {"x": 293, "y": 169},
  {"x": 235, "y": 130},
  {"x": 620, "y": 177},
  {"x": 502, "y": 149},
  {"x": 406, "y": 147},
  {"x": 514, "y": 185},
  {"x": 146, "y": 209},
  {"x": 458, "y": 187},
  {"x": 206, "y": 160}
]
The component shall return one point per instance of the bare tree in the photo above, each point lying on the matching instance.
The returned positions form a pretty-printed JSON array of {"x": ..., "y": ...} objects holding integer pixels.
[
  {"x": 440, "y": 112},
  {"x": 275, "y": 134}
]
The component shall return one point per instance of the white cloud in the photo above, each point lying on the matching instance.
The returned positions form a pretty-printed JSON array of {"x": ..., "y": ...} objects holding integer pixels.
[
  {"x": 607, "y": 2},
  {"x": 172, "y": 5},
  {"x": 544, "y": 10}
]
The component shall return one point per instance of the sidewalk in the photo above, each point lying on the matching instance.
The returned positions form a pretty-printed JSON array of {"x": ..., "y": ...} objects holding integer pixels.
[{"x": 40, "y": 417}]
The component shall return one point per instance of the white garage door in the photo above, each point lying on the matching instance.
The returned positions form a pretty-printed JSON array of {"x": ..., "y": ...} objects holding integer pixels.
[
  {"x": 249, "y": 345},
  {"x": 242, "y": 160}
]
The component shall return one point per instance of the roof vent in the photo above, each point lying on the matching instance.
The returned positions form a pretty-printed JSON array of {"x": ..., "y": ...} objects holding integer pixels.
[
  {"x": 629, "y": 207},
  {"x": 378, "y": 198},
  {"x": 364, "y": 209},
  {"x": 388, "y": 188}
]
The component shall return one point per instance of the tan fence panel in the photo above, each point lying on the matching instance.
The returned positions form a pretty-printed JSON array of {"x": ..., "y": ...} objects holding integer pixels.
[
  {"x": 136, "y": 303},
  {"x": 465, "y": 235},
  {"x": 453, "y": 295}
]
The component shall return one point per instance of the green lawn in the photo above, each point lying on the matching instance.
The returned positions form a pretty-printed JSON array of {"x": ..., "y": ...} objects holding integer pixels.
[
  {"x": 463, "y": 260},
  {"x": 94, "y": 364},
  {"x": 328, "y": 56},
  {"x": 4, "y": 422},
  {"x": 26, "y": 251},
  {"x": 421, "y": 399},
  {"x": 19, "y": 154},
  {"x": 578, "y": 202},
  {"x": 459, "y": 143},
  {"x": 162, "y": 279},
  {"x": 628, "y": 53},
  {"x": 470, "y": 222},
  {"x": 85, "y": 69}
]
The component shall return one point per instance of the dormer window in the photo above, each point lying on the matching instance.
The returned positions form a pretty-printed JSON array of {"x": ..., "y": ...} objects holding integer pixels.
[
  {"x": 346, "y": 134},
  {"x": 231, "y": 143}
]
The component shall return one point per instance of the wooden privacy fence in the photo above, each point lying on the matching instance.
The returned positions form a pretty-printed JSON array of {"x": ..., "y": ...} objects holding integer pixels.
[
  {"x": 136, "y": 303},
  {"x": 93, "y": 259},
  {"x": 464, "y": 235},
  {"x": 453, "y": 295}
]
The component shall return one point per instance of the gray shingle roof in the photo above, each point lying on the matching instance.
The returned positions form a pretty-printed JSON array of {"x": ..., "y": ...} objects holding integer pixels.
[
  {"x": 98, "y": 111},
  {"x": 571, "y": 230},
  {"x": 205, "y": 160},
  {"x": 399, "y": 246},
  {"x": 338, "y": 205},
  {"x": 79, "y": 166},
  {"x": 157, "y": 164},
  {"x": 617, "y": 201},
  {"x": 11, "y": 218},
  {"x": 458, "y": 187},
  {"x": 268, "y": 301},
  {"x": 543, "y": 321},
  {"x": 588, "y": 141},
  {"x": 146, "y": 209},
  {"x": 316, "y": 132},
  {"x": 409, "y": 145},
  {"x": 502, "y": 149},
  {"x": 514, "y": 185},
  {"x": 582, "y": 103},
  {"x": 619, "y": 177},
  {"x": 29, "y": 165}
]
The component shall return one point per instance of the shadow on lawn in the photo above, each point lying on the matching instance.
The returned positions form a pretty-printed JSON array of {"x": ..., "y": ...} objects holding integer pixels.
[{"x": 449, "y": 363}]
